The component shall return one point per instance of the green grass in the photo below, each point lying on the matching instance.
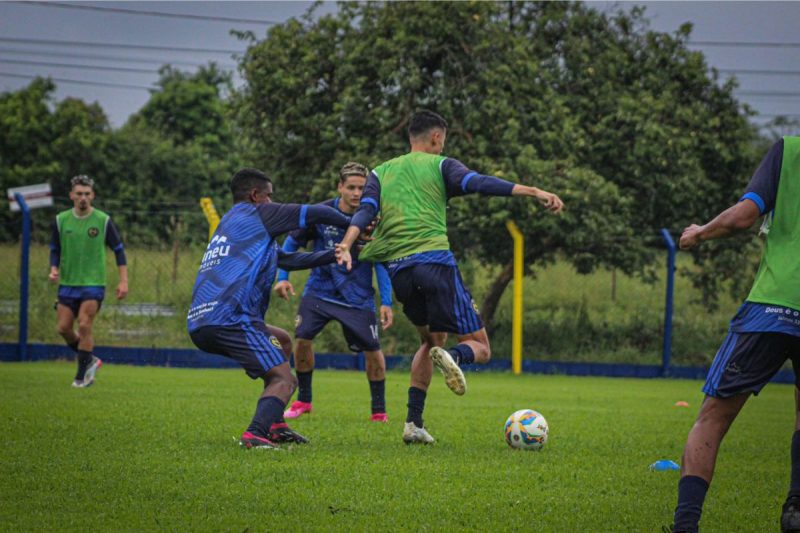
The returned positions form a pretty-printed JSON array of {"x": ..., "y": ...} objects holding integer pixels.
[
  {"x": 568, "y": 317},
  {"x": 154, "y": 449}
]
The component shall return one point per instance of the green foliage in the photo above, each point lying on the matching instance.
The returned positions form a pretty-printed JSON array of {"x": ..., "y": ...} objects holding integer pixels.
[
  {"x": 155, "y": 449},
  {"x": 627, "y": 124}
]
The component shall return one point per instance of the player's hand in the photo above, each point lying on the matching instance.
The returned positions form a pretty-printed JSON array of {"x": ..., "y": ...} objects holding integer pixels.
[
  {"x": 122, "y": 290},
  {"x": 387, "y": 317},
  {"x": 690, "y": 237},
  {"x": 284, "y": 289},
  {"x": 53, "y": 276},
  {"x": 550, "y": 201},
  {"x": 343, "y": 257}
]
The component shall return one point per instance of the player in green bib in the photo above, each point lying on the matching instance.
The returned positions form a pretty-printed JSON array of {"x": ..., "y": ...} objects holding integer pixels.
[
  {"x": 411, "y": 192},
  {"x": 78, "y": 264},
  {"x": 764, "y": 333}
]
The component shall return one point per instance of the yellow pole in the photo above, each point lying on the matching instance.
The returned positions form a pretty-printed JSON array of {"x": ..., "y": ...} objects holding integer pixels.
[
  {"x": 516, "y": 324},
  {"x": 211, "y": 215}
]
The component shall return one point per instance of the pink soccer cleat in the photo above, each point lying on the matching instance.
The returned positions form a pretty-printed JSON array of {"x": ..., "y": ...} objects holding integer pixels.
[
  {"x": 296, "y": 409},
  {"x": 249, "y": 440},
  {"x": 379, "y": 417}
]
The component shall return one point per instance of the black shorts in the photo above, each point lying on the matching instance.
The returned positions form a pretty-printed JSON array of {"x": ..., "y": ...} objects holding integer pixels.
[
  {"x": 434, "y": 295},
  {"x": 360, "y": 326},
  {"x": 747, "y": 361},
  {"x": 251, "y": 345}
]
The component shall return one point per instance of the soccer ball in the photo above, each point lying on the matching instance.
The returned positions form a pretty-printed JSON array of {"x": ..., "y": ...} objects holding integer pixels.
[{"x": 527, "y": 430}]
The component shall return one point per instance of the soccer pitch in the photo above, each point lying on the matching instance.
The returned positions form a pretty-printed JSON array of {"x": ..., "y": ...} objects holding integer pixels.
[{"x": 155, "y": 449}]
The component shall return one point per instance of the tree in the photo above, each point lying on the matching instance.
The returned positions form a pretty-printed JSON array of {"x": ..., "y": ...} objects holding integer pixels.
[{"x": 628, "y": 124}]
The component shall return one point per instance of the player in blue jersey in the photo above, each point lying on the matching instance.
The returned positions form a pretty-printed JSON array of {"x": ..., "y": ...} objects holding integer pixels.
[
  {"x": 763, "y": 334},
  {"x": 411, "y": 193},
  {"x": 334, "y": 293},
  {"x": 232, "y": 290}
]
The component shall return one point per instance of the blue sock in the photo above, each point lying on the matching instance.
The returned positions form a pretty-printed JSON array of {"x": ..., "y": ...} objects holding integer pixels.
[
  {"x": 416, "y": 404},
  {"x": 794, "y": 487},
  {"x": 268, "y": 411},
  {"x": 463, "y": 354},
  {"x": 377, "y": 390},
  {"x": 304, "y": 386},
  {"x": 691, "y": 494}
]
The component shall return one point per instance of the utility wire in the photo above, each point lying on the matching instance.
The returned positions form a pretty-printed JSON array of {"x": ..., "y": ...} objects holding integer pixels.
[
  {"x": 80, "y": 82},
  {"x": 102, "y": 57},
  {"x": 767, "y": 94},
  {"x": 760, "y": 72},
  {"x": 125, "y": 11},
  {"x": 746, "y": 44},
  {"x": 82, "y": 67},
  {"x": 53, "y": 42}
]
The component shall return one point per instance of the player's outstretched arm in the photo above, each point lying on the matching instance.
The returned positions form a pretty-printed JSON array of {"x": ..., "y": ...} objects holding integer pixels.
[
  {"x": 550, "y": 201},
  {"x": 304, "y": 260},
  {"x": 733, "y": 220}
]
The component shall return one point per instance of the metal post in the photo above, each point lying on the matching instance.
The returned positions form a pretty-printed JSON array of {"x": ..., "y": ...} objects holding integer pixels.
[
  {"x": 516, "y": 323},
  {"x": 23, "y": 277},
  {"x": 667, "y": 351}
]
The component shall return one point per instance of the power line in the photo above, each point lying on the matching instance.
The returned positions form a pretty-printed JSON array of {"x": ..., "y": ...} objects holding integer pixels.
[
  {"x": 746, "y": 44},
  {"x": 125, "y": 11},
  {"x": 52, "y": 42},
  {"x": 768, "y": 94},
  {"x": 79, "y": 82},
  {"x": 84, "y": 67},
  {"x": 760, "y": 72},
  {"x": 102, "y": 57}
]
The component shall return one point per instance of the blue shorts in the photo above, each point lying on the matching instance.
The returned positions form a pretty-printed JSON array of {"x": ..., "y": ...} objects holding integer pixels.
[
  {"x": 73, "y": 297},
  {"x": 251, "y": 345},
  {"x": 434, "y": 295},
  {"x": 360, "y": 326},
  {"x": 747, "y": 361}
]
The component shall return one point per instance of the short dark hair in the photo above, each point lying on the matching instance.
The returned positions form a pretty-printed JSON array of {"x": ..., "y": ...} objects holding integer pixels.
[
  {"x": 81, "y": 179},
  {"x": 352, "y": 169},
  {"x": 245, "y": 180},
  {"x": 424, "y": 121}
]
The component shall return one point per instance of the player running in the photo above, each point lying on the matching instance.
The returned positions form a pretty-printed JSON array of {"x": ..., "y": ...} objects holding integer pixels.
[
  {"x": 764, "y": 333},
  {"x": 232, "y": 290},
  {"x": 333, "y": 292},
  {"x": 78, "y": 264},
  {"x": 411, "y": 192}
]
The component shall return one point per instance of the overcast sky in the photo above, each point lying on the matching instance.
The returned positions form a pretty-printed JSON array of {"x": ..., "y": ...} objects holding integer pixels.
[{"x": 23, "y": 27}]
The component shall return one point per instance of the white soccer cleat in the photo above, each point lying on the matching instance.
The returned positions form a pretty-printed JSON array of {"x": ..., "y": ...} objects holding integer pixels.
[
  {"x": 414, "y": 435},
  {"x": 453, "y": 376},
  {"x": 88, "y": 377}
]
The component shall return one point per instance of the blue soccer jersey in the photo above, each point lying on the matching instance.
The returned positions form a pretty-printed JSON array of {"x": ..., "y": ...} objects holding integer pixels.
[
  {"x": 332, "y": 282},
  {"x": 237, "y": 270}
]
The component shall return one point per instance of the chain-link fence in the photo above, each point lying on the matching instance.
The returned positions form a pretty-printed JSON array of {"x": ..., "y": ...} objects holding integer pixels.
[{"x": 604, "y": 317}]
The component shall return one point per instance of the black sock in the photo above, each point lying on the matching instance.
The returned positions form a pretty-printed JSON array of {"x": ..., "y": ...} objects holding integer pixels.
[
  {"x": 268, "y": 411},
  {"x": 416, "y": 404},
  {"x": 691, "y": 493},
  {"x": 377, "y": 390},
  {"x": 84, "y": 358},
  {"x": 463, "y": 354},
  {"x": 794, "y": 486},
  {"x": 304, "y": 386},
  {"x": 73, "y": 346}
]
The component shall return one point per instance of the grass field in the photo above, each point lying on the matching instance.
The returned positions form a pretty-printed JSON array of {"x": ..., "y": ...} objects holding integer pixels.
[
  {"x": 567, "y": 316},
  {"x": 154, "y": 449}
]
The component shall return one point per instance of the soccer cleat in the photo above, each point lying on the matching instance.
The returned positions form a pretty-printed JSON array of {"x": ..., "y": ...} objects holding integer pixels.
[
  {"x": 281, "y": 432},
  {"x": 249, "y": 440},
  {"x": 790, "y": 516},
  {"x": 296, "y": 409},
  {"x": 81, "y": 384},
  {"x": 413, "y": 435},
  {"x": 379, "y": 417},
  {"x": 94, "y": 366},
  {"x": 453, "y": 376}
]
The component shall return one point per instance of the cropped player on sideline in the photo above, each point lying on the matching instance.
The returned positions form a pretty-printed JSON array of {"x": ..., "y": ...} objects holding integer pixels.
[
  {"x": 78, "y": 264},
  {"x": 411, "y": 192},
  {"x": 232, "y": 290},
  {"x": 333, "y": 292},
  {"x": 764, "y": 333}
]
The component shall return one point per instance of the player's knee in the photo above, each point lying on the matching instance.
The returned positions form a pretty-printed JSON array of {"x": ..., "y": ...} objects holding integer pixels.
[{"x": 85, "y": 328}]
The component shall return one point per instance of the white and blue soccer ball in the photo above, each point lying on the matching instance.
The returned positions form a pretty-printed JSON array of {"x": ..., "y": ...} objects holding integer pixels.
[{"x": 526, "y": 429}]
